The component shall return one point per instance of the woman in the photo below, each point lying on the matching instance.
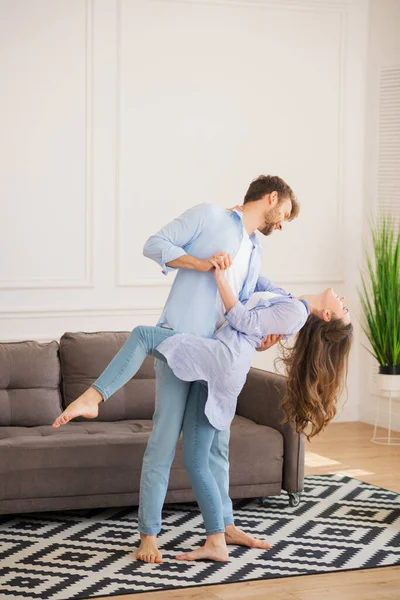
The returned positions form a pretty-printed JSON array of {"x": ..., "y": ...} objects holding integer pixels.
[{"x": 316, "y": 368}]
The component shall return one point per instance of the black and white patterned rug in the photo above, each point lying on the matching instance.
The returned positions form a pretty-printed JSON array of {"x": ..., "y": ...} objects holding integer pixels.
[{"x": 340, "y": 524}]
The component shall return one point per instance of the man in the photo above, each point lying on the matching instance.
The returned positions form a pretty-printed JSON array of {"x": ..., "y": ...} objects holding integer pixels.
[{"x": 189, "y": 243}]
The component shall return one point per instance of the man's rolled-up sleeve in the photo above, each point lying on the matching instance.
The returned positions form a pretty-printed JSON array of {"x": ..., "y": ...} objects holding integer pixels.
[
  {"x": 168, "y": 255},
  {"x": 170, "y": 241}
]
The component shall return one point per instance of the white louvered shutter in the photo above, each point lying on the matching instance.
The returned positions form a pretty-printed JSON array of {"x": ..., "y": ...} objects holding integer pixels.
[{"x": 388, "y": 200}]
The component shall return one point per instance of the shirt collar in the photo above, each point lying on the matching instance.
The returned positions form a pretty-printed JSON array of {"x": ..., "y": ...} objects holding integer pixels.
[
  {"x": 253, "y": 236},
  {"x": 305, "y": 304}
]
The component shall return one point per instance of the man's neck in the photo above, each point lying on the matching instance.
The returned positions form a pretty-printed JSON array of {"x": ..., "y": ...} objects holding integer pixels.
[{"x": 252, "y": 219}]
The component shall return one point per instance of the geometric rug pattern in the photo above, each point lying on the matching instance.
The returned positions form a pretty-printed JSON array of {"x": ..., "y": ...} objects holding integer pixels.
[{"x": 340, "y": 524}]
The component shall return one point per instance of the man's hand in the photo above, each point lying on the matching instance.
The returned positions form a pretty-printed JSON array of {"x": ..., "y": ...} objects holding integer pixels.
[
  {"x": 223, "y": 259},
  {"x": 269, "y": 341}
]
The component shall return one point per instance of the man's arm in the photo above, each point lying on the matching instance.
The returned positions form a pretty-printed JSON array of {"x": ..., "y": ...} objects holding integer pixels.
[
  {"x": 186, "y": 261},
  {"x": 167, "y": 246}
]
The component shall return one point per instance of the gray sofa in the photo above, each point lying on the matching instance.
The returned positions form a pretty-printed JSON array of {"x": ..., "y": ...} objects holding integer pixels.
[{"x": 90, "y": 463}]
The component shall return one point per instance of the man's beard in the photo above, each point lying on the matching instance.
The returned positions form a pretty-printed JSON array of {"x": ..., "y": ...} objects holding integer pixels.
[{"x": 268, "y": 229}]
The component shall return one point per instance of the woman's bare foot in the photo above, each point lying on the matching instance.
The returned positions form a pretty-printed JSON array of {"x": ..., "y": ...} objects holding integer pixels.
[
  {"x": 148, "y": 551},
  {"x": 214, "y": 549},
  {"x": 233, "y": 535},
  {"x": 86, "y": 406}
]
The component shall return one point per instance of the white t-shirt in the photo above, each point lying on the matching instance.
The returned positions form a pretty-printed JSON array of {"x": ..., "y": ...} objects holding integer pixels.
[{"x": 236, "y": 274}]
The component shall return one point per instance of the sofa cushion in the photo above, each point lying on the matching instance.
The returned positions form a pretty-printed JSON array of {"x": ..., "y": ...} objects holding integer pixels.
[
  {"x": 84, "y": 356},
  {"x": 29, "y": 383},
  {"x": 79, "y": 459}
]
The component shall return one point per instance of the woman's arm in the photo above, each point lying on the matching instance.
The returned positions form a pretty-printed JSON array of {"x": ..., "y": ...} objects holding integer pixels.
[
  {"x": 283, "y": 317},
  {"x": 228, "y": 298}
]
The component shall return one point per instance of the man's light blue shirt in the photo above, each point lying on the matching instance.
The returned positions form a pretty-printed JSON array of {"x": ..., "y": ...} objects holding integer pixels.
[{"x": 201, "y": 231}]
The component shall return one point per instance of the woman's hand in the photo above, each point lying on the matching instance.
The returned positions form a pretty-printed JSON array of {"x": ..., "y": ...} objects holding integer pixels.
[
  {"x": 229, "y": 299},
  {"x": 219, "y": 274},
  {"x": 221, "y": 262},
  {"x": 223, "y": 259}
]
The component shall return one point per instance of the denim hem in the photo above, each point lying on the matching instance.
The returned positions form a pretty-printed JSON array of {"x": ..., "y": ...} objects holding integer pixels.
[
  {"x": 215, "y": 531},
  {"x": 149, "y": 531},
  {"x": 101, "y": 390},
  {"x": 231, "y": 521}
]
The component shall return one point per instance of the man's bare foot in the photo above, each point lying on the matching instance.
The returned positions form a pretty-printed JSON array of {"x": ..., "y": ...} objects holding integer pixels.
[
  {"x": 86, "y": 406},
  {"x": 148, "y": 551},
  {"x": 233, "y": 535},
  {"x": 214, "y": 549}
]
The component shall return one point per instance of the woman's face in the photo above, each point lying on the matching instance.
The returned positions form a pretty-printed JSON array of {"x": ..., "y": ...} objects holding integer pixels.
[{"x": 334, "y": 305}]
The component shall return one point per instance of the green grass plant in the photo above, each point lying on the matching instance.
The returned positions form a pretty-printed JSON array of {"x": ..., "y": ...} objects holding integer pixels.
[{"x": 380, "y": 293}]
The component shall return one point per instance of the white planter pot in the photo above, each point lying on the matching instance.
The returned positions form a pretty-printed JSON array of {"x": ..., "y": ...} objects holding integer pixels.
[
  {"x": 389, "y": 387},
  {"x": 389, "y": 383}
]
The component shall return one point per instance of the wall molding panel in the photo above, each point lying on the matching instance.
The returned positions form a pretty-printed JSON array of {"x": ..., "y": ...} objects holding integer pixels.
[
  {"x": 163, "y": 280},
  {"x": 49, "y": 324},
  {"x": 306, "y": 5},
  {"x": 82, "y": 311},
  {"x": 87, "y": 280},
  {"x": 125, "y": 227}
]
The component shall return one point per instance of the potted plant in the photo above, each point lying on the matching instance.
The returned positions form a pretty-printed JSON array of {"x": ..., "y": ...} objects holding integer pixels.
[{"x": 380, "y": 301}]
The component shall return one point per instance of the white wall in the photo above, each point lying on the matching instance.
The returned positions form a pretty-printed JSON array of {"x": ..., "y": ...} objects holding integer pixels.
[
  {"x": 383, "y": 53},
  {"x": 118, "y": 115}
]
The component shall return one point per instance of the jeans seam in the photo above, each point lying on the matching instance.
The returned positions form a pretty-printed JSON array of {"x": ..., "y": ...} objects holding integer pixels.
[
  {"x": 141, "y": 522},
  {"x": 126, "y": 363},
  {"x": 228, "y": 516},
  {"x": 123, "y": 368},
  {"x": 201, "y": 479}
]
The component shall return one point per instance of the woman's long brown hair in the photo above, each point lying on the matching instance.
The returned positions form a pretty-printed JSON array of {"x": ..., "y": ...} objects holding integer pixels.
[{"x": 316, "y": 369}]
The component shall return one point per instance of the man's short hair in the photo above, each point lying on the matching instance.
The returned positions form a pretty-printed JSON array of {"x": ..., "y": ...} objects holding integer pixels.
[{"x": 266, "y": 184}]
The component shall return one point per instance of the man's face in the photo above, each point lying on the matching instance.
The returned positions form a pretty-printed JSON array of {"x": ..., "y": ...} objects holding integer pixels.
[{"x": 274, "y": 216}]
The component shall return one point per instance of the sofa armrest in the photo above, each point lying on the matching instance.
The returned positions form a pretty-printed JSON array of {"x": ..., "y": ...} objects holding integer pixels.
[{"x": 259, "y": 401}]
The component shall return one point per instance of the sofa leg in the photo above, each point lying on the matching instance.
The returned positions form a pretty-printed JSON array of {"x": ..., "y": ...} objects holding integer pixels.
[{"x": 294, "y": 498}]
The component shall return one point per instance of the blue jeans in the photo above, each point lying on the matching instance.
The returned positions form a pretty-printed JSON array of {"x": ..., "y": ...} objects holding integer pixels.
[{"x": 179, "y": 406}]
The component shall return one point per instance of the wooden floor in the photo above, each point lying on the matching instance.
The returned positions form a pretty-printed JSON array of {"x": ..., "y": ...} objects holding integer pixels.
[{"x": 342, "y": 448}]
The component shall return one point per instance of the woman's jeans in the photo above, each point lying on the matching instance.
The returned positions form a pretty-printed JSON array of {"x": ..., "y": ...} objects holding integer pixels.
[{"x": 179, "y": 405}]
